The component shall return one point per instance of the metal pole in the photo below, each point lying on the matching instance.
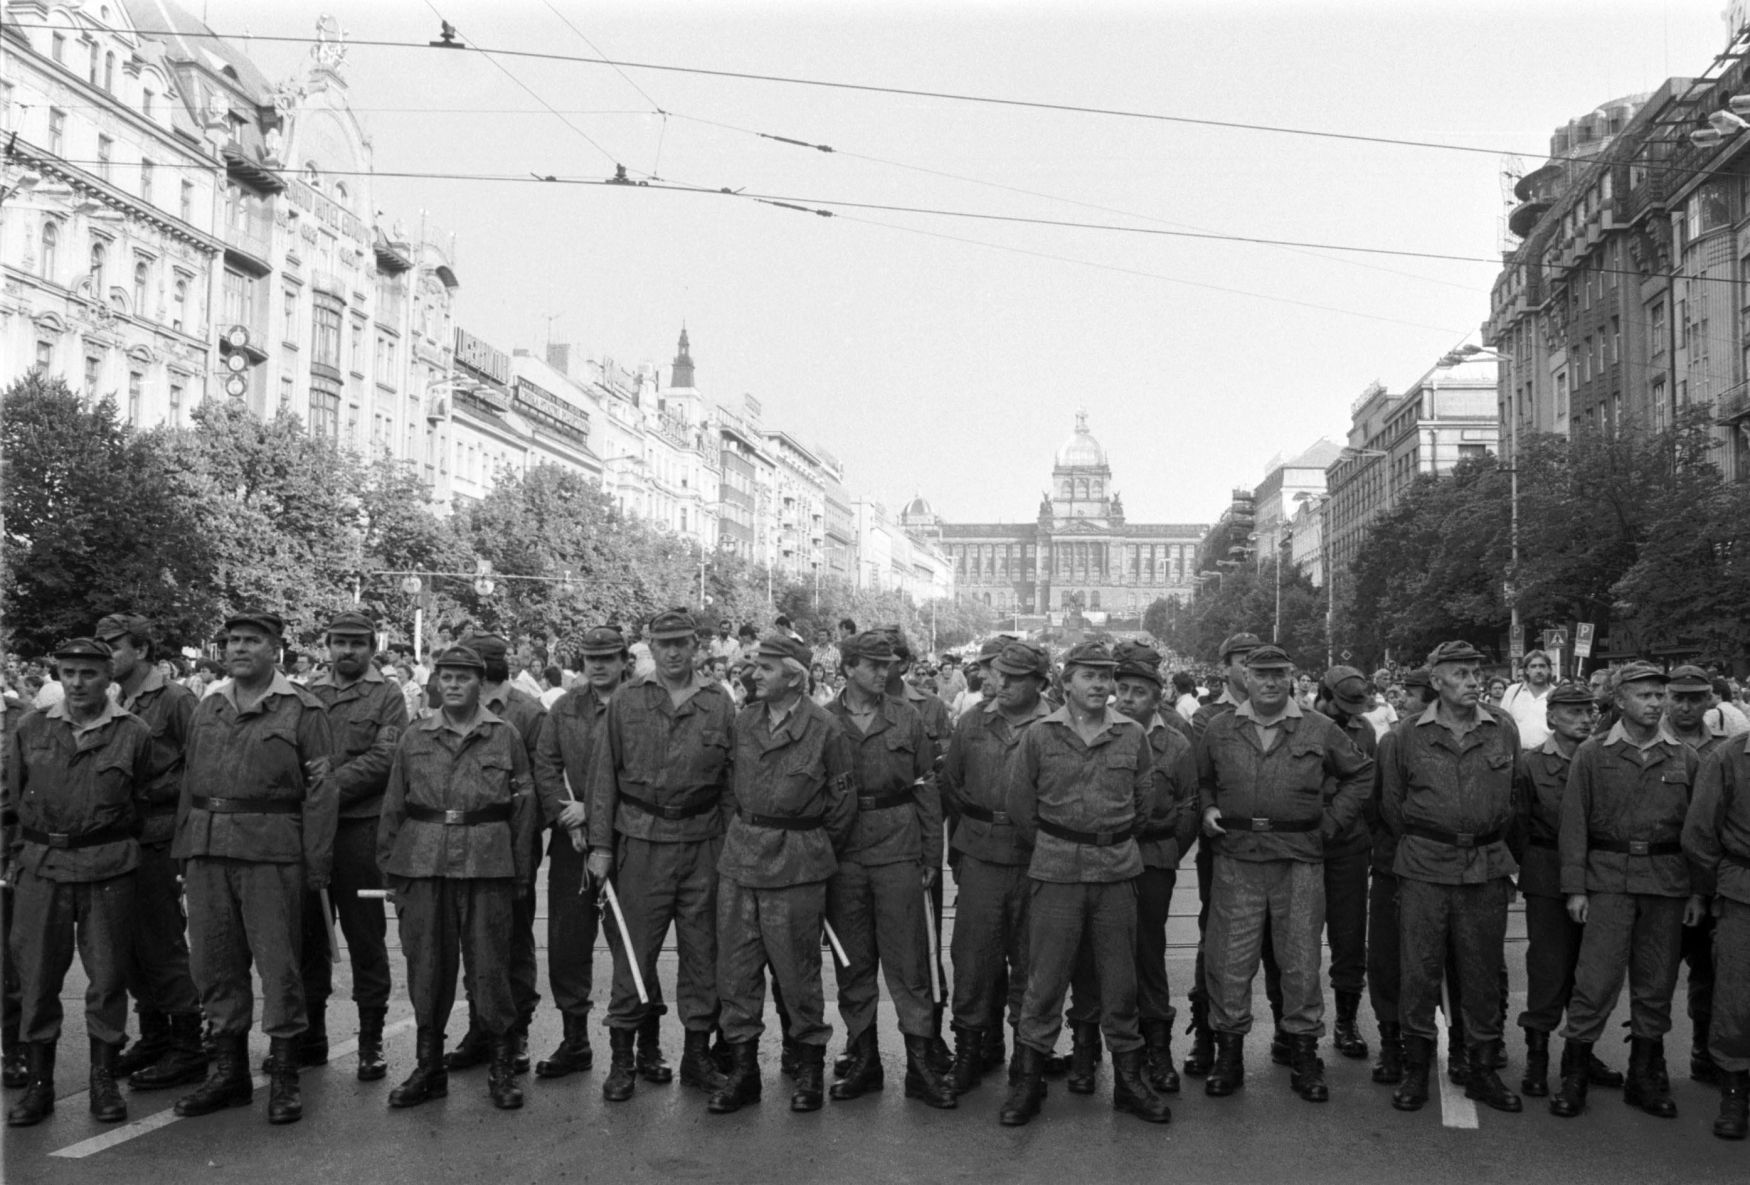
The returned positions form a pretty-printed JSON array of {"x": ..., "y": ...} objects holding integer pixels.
[{"x": 1276, "y": 626}]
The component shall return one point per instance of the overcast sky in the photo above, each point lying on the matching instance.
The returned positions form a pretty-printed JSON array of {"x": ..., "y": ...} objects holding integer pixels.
[{"x": 949, "y": 354}]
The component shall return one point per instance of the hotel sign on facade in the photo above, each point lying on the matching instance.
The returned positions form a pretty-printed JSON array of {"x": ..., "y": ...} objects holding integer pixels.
[
  {"x": 476, "y": 358},
  {"x": 550, "y": 410}
]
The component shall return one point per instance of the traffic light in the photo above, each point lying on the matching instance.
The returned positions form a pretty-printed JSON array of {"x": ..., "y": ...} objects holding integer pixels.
[{"x": 236, "y": 361}]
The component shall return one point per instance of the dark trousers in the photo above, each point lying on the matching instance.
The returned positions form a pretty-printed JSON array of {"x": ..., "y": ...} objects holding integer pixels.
[
  {"x": 877, "y": 910},
  {"x": 52, "y": 919},
  {"x": 1697, "y": 948},
  {"x": 158, "y": 974},
  {"x": 1060, "y": 917},
  {"x": 362, "y": 921},
  {"x": 1383, "y": 956},
  {"x": 1729, "y": 1037},
  {"x": 990, "y": 938},
  {"x": 1345, "y": 929},
  {"x": 573, "y": 921},
  {"x": 1552, "y": 949},
  {"x": 660, "y": 884},
  {"x": 1154, "y": 901},
  {"x": 1468, "y": 924},
  {"x": 1205, "y": 864},
  {"x": 449, "y": 923},
  {"x": 11, "y": 1003},
  {"x": 780, "y": 927},
  {"x": 240, "y": 910},
  {"x": 1279, "y": 901},
  {"x": 1633, "y": 934}
]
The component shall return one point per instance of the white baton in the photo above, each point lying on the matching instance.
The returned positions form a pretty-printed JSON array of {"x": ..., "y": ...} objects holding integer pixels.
[
  {"x": 626, "y": 939},
  {"x": 837, "y": 947},
  {"x": 328, "y": 923},
  {"x": 930, "y": 929}
]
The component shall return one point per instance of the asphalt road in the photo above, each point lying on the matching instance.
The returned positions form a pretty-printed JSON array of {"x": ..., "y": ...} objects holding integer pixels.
[{"x": 566, "y": 1132}]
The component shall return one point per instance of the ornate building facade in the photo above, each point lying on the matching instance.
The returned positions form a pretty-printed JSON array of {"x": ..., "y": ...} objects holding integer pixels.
[{"x": 1079, "y": 554}]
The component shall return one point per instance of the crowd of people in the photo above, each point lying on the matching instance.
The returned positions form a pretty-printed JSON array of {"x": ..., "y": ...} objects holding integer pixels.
[{"x": 175, "y": 826}]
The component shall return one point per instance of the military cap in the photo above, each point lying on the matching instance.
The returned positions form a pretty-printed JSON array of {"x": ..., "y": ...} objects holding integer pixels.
[
  {"x": 1568, "y": 692},
  {"x": 1087, "y": 654},
  {"x": 486, "y": 647},
  {"x": 1349, "y": 689},
  {"x": 869, "y": 646},
  {"x": 778, "y": 645},
  {"x": 1023, "y": 658},
  {"x": 352, "y": 622},
  {"x": 992, "y": 647},
  {"x": 1268, "y": 658},
  {"x": 673, "y": 623},
  {"x": 1420, "y": 677},
  {"x": 1239, "y": 644},
  {"x": 118, "y": 624},
  {"x": 461, "y": 656},
  {"x": 1455, "y": 652},
  {"x": 83, "y": 648},
  {"x": 896, "y": 636},
  {"x": 269, "y": 623},
  {"x": 1137, "y": 661},
  {"x": 1689, "y": 677},
  {"x": 604, "y": 641},
  {"x": 1639, "y": 672}
]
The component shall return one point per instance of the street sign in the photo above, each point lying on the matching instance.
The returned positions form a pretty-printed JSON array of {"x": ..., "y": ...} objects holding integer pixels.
[
  {"x": 1345, "y": 656},
  {"x": 410, "y": 585},
  {"x": 1517, "y": 644},
  {"x": 1583, "y": 639},
  {"x": 1555, "y": 640},
  {"x": 483, "y": 586},
  {"x": 483, "y": 567}
]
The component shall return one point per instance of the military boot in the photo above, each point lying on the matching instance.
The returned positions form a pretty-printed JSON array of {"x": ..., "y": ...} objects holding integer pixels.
[
  {"x": 519, "y": 1045},
  {"x": 1599, "y": 1074},
  {"x": 697, "y": 1069},
  {"x": 1157, "y": 1060},
  {"x": 228, "y": 1083},
  {"x": 474, "y": 1049},
  {"x": 864, "y": 1073},
  {"x": 1027, "y": 1090},
  {"x": 810, "y": 1078},
  {"x": 312, "y": 1045},
  {"x": 1701, "y": 1063},
  {"x": 968, "y": 1067},
  {"x": 650, "y": 1065},
  {"x": 501, "y": 1085},
  {"x": 14, "y": 1069},
  {"x": 922, "y": 1080},
  {"x": 1570, "y": 1097},
  {"x": 1648, "y": 1086},
  {"x": 1734, "y": 1120},
  {"x": 285, "y": 1102},
  {"x": 1084, "y": 1056},
  {"x": 941, "y": 1057},
  {"x": 105, "y": 1097},
  {"x": 573, "y": 1055},
  {"x": 429, "y": 1079},
  {"x": 1485, "y": 1085},
  {"x": 1389, "y": 1069},
  {"x": 371, "y": 1067},
  {"x": 1131, "y": 1091},
  {"x": 622, "y": 1077},
  {"x": 1457, "y": 1056},
  {"x": 1346, "y": 1033},
  {"x": 1281, "y": 1047},
  {"x": 742, "y": 1084},
  {"x": 994, "y": 1054},
  {"x": 184, "y": 1062},
  {"x": 790, "y": 1057},
  {"x": 1202, "y": 1054},
  {"x": 1535, "y": 1083},
  {"x": 1228, "y": 1073},
  {"x": 1307, "y": 1071},
  {"x": 152, "y": 1044},
  {"x": 1412, "y": 1092},
  {"x": 37, "y": 1102}
]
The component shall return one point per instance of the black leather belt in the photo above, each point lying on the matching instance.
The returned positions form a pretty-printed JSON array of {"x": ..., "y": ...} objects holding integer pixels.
[
  {"x": 1000, "y": 818},
  {"x": 64, "y": 841},
  {"x": 882, "y": 802},
  {"x": 249, "y": 806},
  {"x": 160, "y": 808},
  {"x": 1097, "y": 839},
  {"x": 1634, "y": 847},
  {"x": 784, "y": 822},
  {"x": 473, "y": 818},
  {"x": 671, "y": 811},
  {"x": 1237, "y": 824},
  {"x": 1453, "y": 839},
  {"x": 1734, "y": 858},
  {"x": 1154, "y": 834},
  {"x": 1538, "y": 841}
]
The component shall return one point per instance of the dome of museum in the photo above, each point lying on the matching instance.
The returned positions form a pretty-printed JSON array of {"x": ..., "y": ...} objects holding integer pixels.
[{"x": 1081, "y": 451}]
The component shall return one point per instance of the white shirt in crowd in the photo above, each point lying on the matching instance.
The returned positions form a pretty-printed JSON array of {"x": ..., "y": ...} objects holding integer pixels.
[{"x": 1530, "y": 711}]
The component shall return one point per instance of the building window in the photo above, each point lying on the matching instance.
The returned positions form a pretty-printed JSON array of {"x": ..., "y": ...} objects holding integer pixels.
[
  {"x": 325, "y": 336},
  {"x": 179, "y": 304},
  {"x": 1616, "y": 339},
  {"x": 57, "y": 132},
  {"x": 237, "y": 296},
  {"x": 109, "y": 72},
  {"x": 58, "y": 48},
  {"x": 146, "y": 175},
  {"x": 45, "y": 354},
  {"x": 286, "y": 393},
  {"x": 289, "y": 318},
  {"x": 147, "y": 100},
  {"x": 93, "y": 374},
  {"x": 142, "y": 277},
  {"x": 105, "y": 149},
  {"x": 187, "y": 207},
  {"x": 136, "y": 382},
  {"x": 176, "y": 405},
  {"x": 51, "y": 249},
  {"x": 324, "y": 413},
  {"x": 99, "y": 256},
  {"x": 95, "y": 57},
  {"x": 1656, "y": 328}
]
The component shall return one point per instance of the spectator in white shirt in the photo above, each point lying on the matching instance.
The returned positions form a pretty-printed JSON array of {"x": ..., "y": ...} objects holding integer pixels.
[
  {"x": 1528, "y": 702},
  {"x": 1184, "y": 694}
]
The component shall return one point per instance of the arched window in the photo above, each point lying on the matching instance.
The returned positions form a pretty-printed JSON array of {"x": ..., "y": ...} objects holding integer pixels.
[
  {"x": 142, "y": 274},
  {"x": 1082, "y": 488},
  {"x": 179, "y": 306},
  {"x": 99, "y": 256},
  {"x": 1068, "y": 488},
  {"x": 109, "y": 72},
  {"x": 1099, "y": 488},
  {"x": 51, "y": 249}
]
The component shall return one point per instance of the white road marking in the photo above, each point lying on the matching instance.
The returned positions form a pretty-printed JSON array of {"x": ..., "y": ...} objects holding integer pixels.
[
  {"x": 168, "y": 1116},
  {"x": 1456, "y": 1111}
]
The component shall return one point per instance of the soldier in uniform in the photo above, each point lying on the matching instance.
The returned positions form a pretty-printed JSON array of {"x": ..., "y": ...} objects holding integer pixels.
[
  {"x": 1263, "y": 770},
  {"x": 457, "y": 833},
  {"x": 876, "y": 900},
  {"x": 1689, "y": 695},
  {"x": 1446, "y": 793},
  {"x": 562, "y": 764},
  {"x": 656, "y": 825},
  {"x": 1167, "y": 828},
  {"x": 990, "y": 861},
  {"x": 366, "y": 716},
  {"x": 1552, "y": 945},
  {"x": 1716, "y": 840},
  {"x": 169, "y": 1051},
  {"x": 256, "y": 826},
  {"x": 1627, "y": 883},
  {"x": 1078, "y": 787},
  {"x": 77, "y": 775},
  {"x": 793, "y": 803},
  {"x": 1233, "y": 693},
  {"x": 524, "y": 713}
]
